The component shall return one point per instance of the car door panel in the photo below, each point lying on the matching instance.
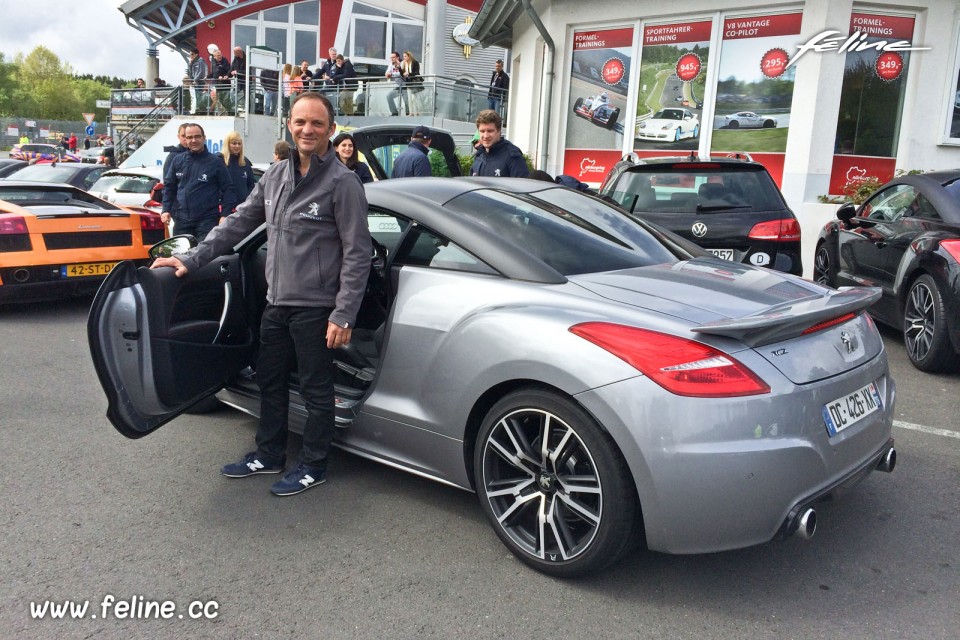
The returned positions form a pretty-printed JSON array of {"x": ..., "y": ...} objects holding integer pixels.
[{"x": 161, "y": 343}]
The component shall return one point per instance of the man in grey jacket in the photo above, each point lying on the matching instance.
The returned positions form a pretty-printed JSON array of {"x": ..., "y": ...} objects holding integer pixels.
[
  {"x": 198, "y": 77},
  {"x": 318, "y": 261}
]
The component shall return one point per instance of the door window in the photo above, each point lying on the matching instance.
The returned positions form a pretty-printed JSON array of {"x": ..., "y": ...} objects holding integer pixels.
[{"x": 890, "y": 204}]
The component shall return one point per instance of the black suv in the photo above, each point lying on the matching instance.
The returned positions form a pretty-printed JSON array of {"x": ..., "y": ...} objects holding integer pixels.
[{"x": 729, "y": 206}]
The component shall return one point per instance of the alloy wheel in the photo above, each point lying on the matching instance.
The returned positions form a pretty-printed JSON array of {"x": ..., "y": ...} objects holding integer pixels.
[
  {"x": 822, "y": 266},
  {"x": 920, "y": 321},
  {"x": 542, "y": 485}
]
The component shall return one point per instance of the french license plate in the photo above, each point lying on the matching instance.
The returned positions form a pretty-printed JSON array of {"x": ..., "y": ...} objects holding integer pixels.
[
  {"x": 850, "y": 409},
  {"x": 87, "y": 269},
  {"x": 723, "y": 254}
]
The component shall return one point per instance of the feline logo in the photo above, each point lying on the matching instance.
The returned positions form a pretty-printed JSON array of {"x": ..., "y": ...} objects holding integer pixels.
[
  {"x": 589, "y": 165},
  {"x": 203, "y": 178},
  {"x": 496, "y": 172}
]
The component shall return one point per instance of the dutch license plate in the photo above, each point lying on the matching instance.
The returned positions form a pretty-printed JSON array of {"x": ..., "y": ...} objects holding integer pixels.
[
  {"x": 723, "y": 254},
  {"x": 850, "y": 409},
  {"x": 87, "y": 269}
]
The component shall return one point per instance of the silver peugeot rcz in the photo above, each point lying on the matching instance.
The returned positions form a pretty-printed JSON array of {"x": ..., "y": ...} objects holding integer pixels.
[{"x": 596, "y": 380}]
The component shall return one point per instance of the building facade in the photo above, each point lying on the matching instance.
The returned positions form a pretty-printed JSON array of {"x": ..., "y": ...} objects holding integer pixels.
[{"x": 822, "y": 92}]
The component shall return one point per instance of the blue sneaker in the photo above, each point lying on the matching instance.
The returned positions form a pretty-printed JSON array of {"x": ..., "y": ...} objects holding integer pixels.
[
  {"x": 298, "y": 481},
  {"x": 251, "y": 465}
]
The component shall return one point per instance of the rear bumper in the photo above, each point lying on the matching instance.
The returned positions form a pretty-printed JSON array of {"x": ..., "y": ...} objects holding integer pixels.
[
  {"x": 835, "y": 490},
  {"x": 719, "y": 474},
  {"x": 45, "y": 282}
]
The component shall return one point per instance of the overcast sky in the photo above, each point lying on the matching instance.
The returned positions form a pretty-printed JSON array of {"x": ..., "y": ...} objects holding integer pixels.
[{"x": 91, "y": 35}]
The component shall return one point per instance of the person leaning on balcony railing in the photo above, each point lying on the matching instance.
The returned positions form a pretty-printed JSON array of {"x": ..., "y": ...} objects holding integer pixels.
[
  {"x": 343, "y": 78},
  {"x": 197, "y": 77},
  {"x": 238, "y": 70},
  {"x": 269, "y": 82},
  {"x": 219, "y": 78}
]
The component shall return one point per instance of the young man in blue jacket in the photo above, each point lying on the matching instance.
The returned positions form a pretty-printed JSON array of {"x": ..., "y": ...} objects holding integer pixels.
[
  {"x": 317, "y": 265},
  {"x": 196, "y": 187},
  {"x": 496, "y": 156}
]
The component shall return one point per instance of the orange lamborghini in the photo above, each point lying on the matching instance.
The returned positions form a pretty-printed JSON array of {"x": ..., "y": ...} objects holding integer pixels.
[{"x": 58, "y": 240}]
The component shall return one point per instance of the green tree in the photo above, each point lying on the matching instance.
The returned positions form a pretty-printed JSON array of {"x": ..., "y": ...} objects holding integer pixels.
[
  {"x": 8, "y": 85},
  {"x": 41, "y": 86}
]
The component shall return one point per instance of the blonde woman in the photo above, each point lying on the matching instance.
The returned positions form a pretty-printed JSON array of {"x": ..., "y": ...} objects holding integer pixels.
[
  {"x": 413, "y": 83},
  {"x": 292, "y": 85},
  {"x": 238, "y": 166}
]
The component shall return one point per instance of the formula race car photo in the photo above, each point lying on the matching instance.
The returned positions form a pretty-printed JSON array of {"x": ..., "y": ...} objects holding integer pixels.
[
  {"x": 598, "y": 110},
  {"x": 669, "y": 125}
]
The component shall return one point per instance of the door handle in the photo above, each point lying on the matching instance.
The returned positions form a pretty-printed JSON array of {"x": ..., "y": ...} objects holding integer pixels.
[{"x": 227, "y": 300}]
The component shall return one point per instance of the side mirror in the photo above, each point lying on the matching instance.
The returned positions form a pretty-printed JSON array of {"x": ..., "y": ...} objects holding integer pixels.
[
  {"x": 846, "y": 212},
  {"x": 170, "y": 246}
]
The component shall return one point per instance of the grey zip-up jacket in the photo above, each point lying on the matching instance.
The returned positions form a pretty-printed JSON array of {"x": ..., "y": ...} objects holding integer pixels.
[{"x": 318, "y": 242}]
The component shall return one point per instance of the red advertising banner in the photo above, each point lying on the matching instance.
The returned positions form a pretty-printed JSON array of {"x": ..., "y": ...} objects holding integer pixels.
[
  {"x": 849, "y": 169},
  {"x": 606, "y": 39},
  {"x": 884, "y": 27},
  {"x": 677, "y": 33},
  {"x": 784, "y": 24},
  {"x": 590, "y": 165}
]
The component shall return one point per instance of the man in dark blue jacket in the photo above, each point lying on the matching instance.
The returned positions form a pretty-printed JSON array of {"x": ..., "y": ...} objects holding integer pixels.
[
  {"x": 196, "y": 187},
  {"x": 496, "y": 156},
  {"x": 413, "y": 161}
]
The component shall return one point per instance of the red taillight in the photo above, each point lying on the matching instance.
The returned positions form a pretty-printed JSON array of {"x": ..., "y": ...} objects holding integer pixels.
[
  {"x": 152, "y": 204},
  {"x": 10, "y": 226},
  {"x": 952, "y": 247},
  {"x": 785, "y": 230},
  {"x": 150, "y": 222},
  {"x": 679, "y": 365},
  {"x": 826, "y": 324}
]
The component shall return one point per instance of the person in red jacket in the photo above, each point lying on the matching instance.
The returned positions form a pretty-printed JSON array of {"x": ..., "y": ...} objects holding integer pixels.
[{"x": 73, "y": 143}]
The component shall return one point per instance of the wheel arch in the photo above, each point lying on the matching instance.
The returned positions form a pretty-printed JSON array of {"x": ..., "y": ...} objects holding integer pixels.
[
  {"x": 933, "y": 265},
  {"x": 481, "y": 407}
]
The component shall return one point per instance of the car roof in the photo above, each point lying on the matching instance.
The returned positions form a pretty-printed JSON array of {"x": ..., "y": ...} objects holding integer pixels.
[
  {"x": 738, "y": 160},
  {"x": 427, "y": 196}
]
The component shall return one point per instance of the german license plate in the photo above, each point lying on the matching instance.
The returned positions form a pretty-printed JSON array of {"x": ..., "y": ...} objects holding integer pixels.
[
  {"x": 86, "y": 269},
  {"x": 850, "y": 409},
  {"x": 723, "y": 254}
]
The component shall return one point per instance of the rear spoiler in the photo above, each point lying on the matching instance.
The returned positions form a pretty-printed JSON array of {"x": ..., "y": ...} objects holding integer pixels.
[{"x": 790, "y": 319}]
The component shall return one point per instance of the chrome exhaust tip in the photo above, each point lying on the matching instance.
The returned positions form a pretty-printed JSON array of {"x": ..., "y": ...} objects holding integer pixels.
[
  {"x": 888, "y": 461},
  {"x": 807, "y": 523}
]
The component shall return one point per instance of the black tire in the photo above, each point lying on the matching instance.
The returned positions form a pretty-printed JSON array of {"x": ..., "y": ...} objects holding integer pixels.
[
  {"x": 614, "y": 116},
  {"x": 578, "y": 104},
  {"x": 769, "y": 124},
  {"x": 734, "y": 124},
  {"x": 925, "y": 327},
  {"x": 516, "y": 480},
  {"x": 825, "y": 264}
]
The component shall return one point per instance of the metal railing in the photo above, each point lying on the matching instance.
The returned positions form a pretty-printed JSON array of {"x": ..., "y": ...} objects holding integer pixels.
[
  {"x": 144, "y": 111},
  {"x": 377, "y": 96}
]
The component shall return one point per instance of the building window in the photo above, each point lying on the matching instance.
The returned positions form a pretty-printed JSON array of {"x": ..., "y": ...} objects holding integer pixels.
[
  {"x": 292, "y": 30},
  {"x": 375, "y": 32},
  {"x": 953, "y": 110},
  {"x": 871, "y": 100}
]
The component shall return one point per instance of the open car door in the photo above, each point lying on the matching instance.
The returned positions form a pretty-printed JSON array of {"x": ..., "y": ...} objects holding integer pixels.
[
  {"x": 161, "y": 343},
  {"x": 380, "y": 144}
]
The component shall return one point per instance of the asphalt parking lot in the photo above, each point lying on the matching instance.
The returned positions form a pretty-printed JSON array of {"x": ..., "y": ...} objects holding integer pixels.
[{"x": 377, "y": 553}]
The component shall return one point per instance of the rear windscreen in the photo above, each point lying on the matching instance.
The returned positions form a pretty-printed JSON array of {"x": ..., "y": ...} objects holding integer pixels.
[{"x": 691, "y": 190}]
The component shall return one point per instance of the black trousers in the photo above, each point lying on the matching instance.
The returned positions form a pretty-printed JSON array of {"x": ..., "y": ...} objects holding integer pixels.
[{"x": 285, "y": 332}]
